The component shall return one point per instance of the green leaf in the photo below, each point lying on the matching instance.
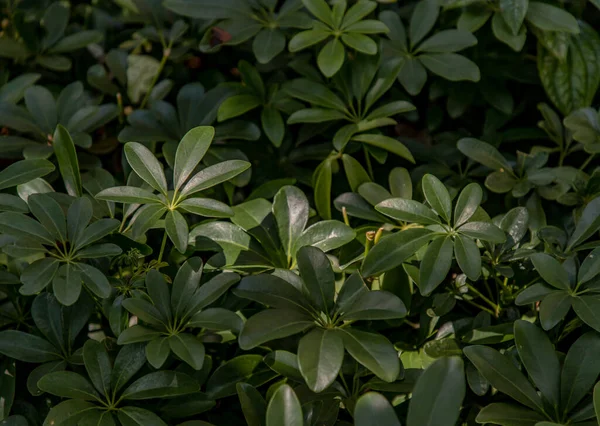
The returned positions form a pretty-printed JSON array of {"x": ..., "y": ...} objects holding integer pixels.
[
  {"x": 320, "y": 356},
  {"x": 27, "y": 347},
  {"x": 374, "y": 305},
  {"x": 76, "y": 41},
  {"x": 315, "y": 115},
  {"x": 385, "y": 142},
  {"x": 146, "y": 166},
  {"x": 42, "y": 106},
  {"x": 67, "y": 284},
  {"x": 422, "y": 20},
  {"x": 551, "y": 18},
  {"x": 374, "y": 408},
  {"x": 508, "y": 415},
  {"x": 160, "y": 384},
  {"x": 314, "y": 93},
  {"x": 244, "y": 368},
  {"x": 267, "y": 44},
  {"x": 360, "y": 43},
  {"x": 484, "y": 231},
  {"x": 331, "y": 57},
  {"x": 553, "y": 308},
  {"x": 64, "y": 149},
  {"x": 590, "y": 267},
  {"x": 438, "y": 395},
  {"x": 272, "y": 324},
  {"x": 483, "y": 153},
  {"x": 467, "y": 256},
  {"x": 408, "y": 211},
  {"x": 570, "y": 83},
  {"x": 97, "y": 365},
  {"x": 136, "y": 334},
  {"x": 317, "y": 275},
  {"x": 448, "y": 41},
  {"x": 413, "y": 76},
  {"x": 68, "y": 412},
  {"x": 290, "y": 208},
  {"x": 597, "y": 400},
  {"x": 238, "y": 105},
  {"x": 539, "y": 358},
  {"x": 580, "y": 370},
  {"x": 394, "y": 249},
  {"x": 134, "y": 416},
  {"x": 451, "y": 66},
  {"x": 49, "y": 214},
  {"x": 467, "y": 204},
  {"x": 435, "y": 264},
  {"x": 322, "y": 179},
  {"x": 326, "y": 235},
  {"x": 24, "y": 171},
  {"x": 320, "y": 9},
  {"x": 513, "y": 13},
  {"x": 206, "y": 207},
  {"x": 177, "y": 230},
  {"x": 214, "y": 175},
  {"x": 130, "y": 359},
  {"x": 188, "y": 348},
  {"x": 96, "y": 231},
  {"x": 503, "y": 375},
  {"x": 217, "y": 319},
  {"x": 157, "y": 351},
  {"x": 305, "y": 39},
  {"x": 38, "y": 275},
  {"x": 95, "y": 280},
  {"x": 437, "y": 196},
  {"x": 128, "y": 195},
  {"x": 284, "y": 408},
  {"x": 253, "y": 404},
  {"x": 158, "y": 290},
  {"x": 273, "y": 125},
  {"x": 190, "y": 151},
  {"x": 587, "y": 309},
  {"x": 284, "y": 363},
  {"x": 67, "y": 384},
  {"x": 358, "y": 11},
  {"x": 355, "y": 173},
  {"x": 373, "y": 351},
  {"x": 550, "y": 270},
  {"x": 588, "y": 224},
  {"x": 185, "y": 284}
]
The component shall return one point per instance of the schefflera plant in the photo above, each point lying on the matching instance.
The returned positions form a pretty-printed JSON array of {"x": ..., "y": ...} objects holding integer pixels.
[
  {"x": 103, "y": 396},
  {"x": 565, "y": 286},
  {"x": 446, "y": 234},
  {"x": 308, "y": 303},
  {"x": 184, "y": 196},
  {"x": 167, "y": 314},
  {"x": 561, "y": 397},
  {"x": 65, "y": 243}
]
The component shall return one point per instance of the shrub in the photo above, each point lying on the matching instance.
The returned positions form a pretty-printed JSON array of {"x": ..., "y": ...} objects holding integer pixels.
[{"x": 299, "y": 212}]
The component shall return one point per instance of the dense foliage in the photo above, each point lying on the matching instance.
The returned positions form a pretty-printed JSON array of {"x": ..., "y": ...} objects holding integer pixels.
[{"x": 299, "y": 212}]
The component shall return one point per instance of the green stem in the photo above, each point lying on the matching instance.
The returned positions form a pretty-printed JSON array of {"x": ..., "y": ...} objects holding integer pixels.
[
  {"x": 162, "y": 247},
  {"x": 485, "y": 299},
  {"x": 585, "y": 164},
  {"x": 369, "y": 165},
  {"x": 163, "y": 61}
]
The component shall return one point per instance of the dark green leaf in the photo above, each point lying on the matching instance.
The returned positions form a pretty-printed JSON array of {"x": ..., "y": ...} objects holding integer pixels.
[
  {"x": 320, "y": 356},
  {"x": 64, "y": 149}
]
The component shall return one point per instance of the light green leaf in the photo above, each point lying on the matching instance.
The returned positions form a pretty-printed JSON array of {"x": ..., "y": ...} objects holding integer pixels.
[
  {"x": 145, "y": 164},
  {"x": 190, "y": 151},
  {"x": 284, "y": 408}
]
